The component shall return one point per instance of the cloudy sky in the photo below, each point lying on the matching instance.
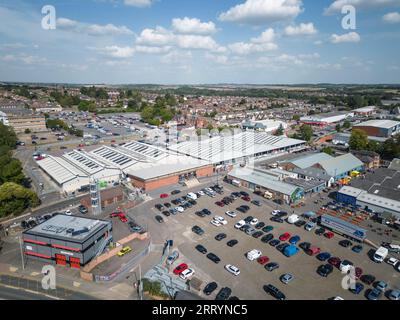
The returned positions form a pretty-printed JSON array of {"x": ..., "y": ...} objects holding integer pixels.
[{"x": 200, "y": 41}]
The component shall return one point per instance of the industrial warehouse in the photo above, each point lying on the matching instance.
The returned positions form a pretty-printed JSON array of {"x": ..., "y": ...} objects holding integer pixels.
[
  {"x": 67, "y": 240},
  {"x": 149, "y": 167}
]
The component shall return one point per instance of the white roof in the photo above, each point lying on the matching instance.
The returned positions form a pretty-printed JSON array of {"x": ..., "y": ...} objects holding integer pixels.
[
  {"x": 142, "y": 151},
  {"x": 379, "y": 201},
  {"x": 114, "y": 157},
  {"x": 351, "y": 191},
  {"x": 386, "y": 124},
  {"x": 225, "y": 148},
  {"x": 59, "y": 169},
  {"x": 83, "y": 161}
]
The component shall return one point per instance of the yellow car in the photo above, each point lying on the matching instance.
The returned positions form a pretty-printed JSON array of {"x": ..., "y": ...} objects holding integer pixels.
[{"x": 124, "y": 251}]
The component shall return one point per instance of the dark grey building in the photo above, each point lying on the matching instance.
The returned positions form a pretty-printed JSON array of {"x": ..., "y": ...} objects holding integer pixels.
[{"x": 67, "y": 240}]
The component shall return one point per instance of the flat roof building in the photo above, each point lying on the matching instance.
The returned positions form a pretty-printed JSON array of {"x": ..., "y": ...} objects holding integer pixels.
[
  {"x": 67, "y": 240},
  {"x": 323, "y": 120},
  {"x": 379, "y": 128}
]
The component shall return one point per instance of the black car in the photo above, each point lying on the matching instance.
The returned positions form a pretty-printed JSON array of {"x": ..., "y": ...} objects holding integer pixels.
[
  {"x": 248, "y": 219},
  {"x": 281, "y": 214},
  {"x": 282, "y": 247},
  {"x": 176, "y": 192},
  {"x": 368, "y": 279},
  {"x": 214, "y": 258},
  {"x": 345, "y": 243},
  {"x": 244, "y": 194},
  {"x": 192, "y": 202},
  {"x": 201, "y": 249},
  {"x": 267, "y": 238},
  {"x": 271, "y": 266},
  {"x": 260, "y": 225},
  {"x": 200, "y": 214},
  {"x": 159, "y": 207},
  {"x": 257, "y": 234},
  {"x": 176, "y": 202},
  {"x": 320, "y": 231},
  {"x": 220, "y": 236},
  {"x": 305, "y": 246},
  {"x": 166, "y": 213},
  {"x": 277, "y": 220},
  {"x": 210, "y": 288},
  {"x": 274, "y": 291},
  {"x": 223, "y": 294},
  {"x": 24, "y": 224},
  {"x": 197, "y": 230},
  {"x": 159, "y": 219},
  {"x": 83, "y": 209},
  {"x": 207, "y": 212},
  {"x": 274, "y": 243},
  {"x": 167, "y": 205},
  {"x": 232, "y": 243},
  {"x": 256, "y": 203},
  {"x": 325, "y": 270},
  {"x": 300, "y": 223}
]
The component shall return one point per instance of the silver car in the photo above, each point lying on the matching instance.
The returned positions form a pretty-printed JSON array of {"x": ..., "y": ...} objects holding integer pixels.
[
  {"x": 286, "y": 278},
  {"x": 172, "y": 257}
]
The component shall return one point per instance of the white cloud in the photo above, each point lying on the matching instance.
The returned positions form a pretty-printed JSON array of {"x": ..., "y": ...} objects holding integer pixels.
[
  {"x": 392, "y": 17},
  {"x": 176, "y": 57},
  {"x": 197, "y": 42},
  {"x": 193, "y": 26},
  {"x": 302, "y": 29},
  {"x": 138, "y": 3},
  {"x": 152, "y": 50},
  {"x": 348, "y": 37},
  {"x": 337, "y": 5},
  {"x": 92, "y": 29},
  {"x": 329, "y": 66},
  {"x": 219, "y": 59},
  {"x": 263, "y": 11},
  {"x": 156, "y": 37},
  {"x": 267, "y": 36},
  {"x": 119, "y": 52}
]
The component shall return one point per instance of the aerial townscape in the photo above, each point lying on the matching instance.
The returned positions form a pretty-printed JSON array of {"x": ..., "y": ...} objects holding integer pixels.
[{"x": 144, "y": 159}]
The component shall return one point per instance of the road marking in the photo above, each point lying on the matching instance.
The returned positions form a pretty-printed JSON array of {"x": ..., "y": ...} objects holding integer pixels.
[
  {"x": 76, "y": 284},
  {"x": 35, "y": 274},
  {"x": 13, "y": 269}
]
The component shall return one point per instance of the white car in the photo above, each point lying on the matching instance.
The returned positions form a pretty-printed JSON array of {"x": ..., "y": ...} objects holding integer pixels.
[
  {"x": 231, "y": 214},
  {"x": 201, "y": 192},
  {"x": 275, "y": 212},
  {"x": 338, "y": 298},
  {"x": 186, "y": 274},
  {"x": 232, "y": 269},
  {"x": 254, "y": 222},
  {"x": 192, "y": 196},
  {"x": 253, "y": 254},
  {"x": 180, "y": 209},
  {"x": 240, "y": 224},
  {"x": 216, "y": 223},
  {"x": 392, "y": 261},
  {"x": 68, "y": 213},
  {"x": 221, "y": 220}
]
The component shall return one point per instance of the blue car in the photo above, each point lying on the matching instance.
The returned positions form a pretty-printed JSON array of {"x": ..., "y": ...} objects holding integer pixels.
[
  {"x": 323, "y": 256},
  {"x": 294, "y": 240},
  {"x": 357, "y": 249},
  {"x": 357, "y": 289}
]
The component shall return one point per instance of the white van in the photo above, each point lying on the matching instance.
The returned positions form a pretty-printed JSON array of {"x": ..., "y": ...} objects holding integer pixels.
[
  {"x": 254, "y": 254},
  {"x": 293, "y": 219},
  {"x": 192, "y": 196},
  {"x": 381, "y": 254}
]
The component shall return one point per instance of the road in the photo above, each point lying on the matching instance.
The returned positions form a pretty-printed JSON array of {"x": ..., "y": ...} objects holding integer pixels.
[{"x": 7, "y": 293}]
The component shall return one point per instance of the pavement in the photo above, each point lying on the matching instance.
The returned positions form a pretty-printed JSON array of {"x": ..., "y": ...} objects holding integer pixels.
[{"x": 307, "y": 285}]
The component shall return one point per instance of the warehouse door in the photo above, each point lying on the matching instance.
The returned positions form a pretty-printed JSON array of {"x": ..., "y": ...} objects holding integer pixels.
[
  {"x": 75, "y": 263},
  {"x": 61, "y": 260}
]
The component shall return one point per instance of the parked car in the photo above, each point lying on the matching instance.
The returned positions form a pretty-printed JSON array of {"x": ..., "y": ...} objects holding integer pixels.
[
  {"x": 124, "y": 251},
  {"x": 374, "y": 294},
  {"x": 257, "y": 234},
  {"x": 323, "y": 256},
  {"x": 267, "y": 238},
  {"x": 368, "y": 279},
  {"x": 220, "y": 236},
  {"x": 287, "y": 278},
  {"x": 285, "y": 237},
  {"x": 197, "y": 230},
  {"x": 394, "y": 295},
  {"x": 260, "y": 225},
  {"x": 294, "y": 240},
  {"x": 214, "y": 258},
  {"x": 329, "y": 235},
  {"x": 201, "y": 249},
  {"x": 271, "y": 266},
  {"x": 325, "y": 270},
  {"x": 179, "y": 269},
  {"x": 357, "y": 248},
  {"x": 345, "y": 243},
  {"x": 357, "y": 288},
  {"x": 277, "y": 220},
  {"x": 224, "y": 294},
  {"x": 240, "y": 224},
  {"x": 274, "y": 243},
  {"x": 320, "y": 231},
  {"x": 172, "y": 257},
  {"x": 159, "y": 219},
  {"x": 210, "y": 288},
  {"x": 186, "y": 274},
  {"x": 232, "y": 243},
  {"x": 231, "y": 214},
  {"x": 274, "y": 291},
  {"x": 232, "y": 269},
  {"x": 263, "y": 260},
  {"x": 268, "y": 229}
]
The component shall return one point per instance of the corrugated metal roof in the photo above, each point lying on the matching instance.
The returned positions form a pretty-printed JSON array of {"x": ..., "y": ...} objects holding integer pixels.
[
  {"x": 310, "y": 160},
  {"x": 340, "y": 165},
  {"x": 385, "y": 124},
  {"x": 60, "y": 170},
  {"x": 379, "y": 201},
  {"x": 264, "y": 180},
  {"x": 350, "y": 191}
]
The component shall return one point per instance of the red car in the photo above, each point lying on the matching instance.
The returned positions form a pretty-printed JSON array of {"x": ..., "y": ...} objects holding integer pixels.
[
  {"x": 164, "y": 196},
  {"x": 115, "y": 214},
  {"x": 246, "y": 199},
  {"x": 334, "y": 261},
  {"x": 220, "y": 204},
  {"x": 179, "y": 269},
  {"x": 123, "y": 218},
  {"x": 313, "y": 251},
  {"x": 285, "y": 237},
  {"x": 263, "y": 260},
  {"x": 329, "y": 235},
  {"x": 358, "y": 273}
]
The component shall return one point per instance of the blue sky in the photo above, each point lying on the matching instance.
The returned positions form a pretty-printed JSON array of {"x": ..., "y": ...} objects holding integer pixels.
[{"x": 199, "y": 42}]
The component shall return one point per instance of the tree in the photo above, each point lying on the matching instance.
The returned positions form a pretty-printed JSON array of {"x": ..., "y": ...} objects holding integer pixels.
[
  {"x": 296, "y": 117},
  {"x": 347, "y": 124},
  {"x": 280, "y": 131},
  {"x": 328, "y": 150},
  {"x": 338, "y": 128},
  {"x": 358, "y": 140},
  {"x": 306, "y": 132},
  {"x": 390, "y": 149},
  {"x": 15, "y": 199}
]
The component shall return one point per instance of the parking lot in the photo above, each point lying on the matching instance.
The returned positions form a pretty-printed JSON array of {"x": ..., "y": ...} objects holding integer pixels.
[{"x": 307, "y": 284}]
